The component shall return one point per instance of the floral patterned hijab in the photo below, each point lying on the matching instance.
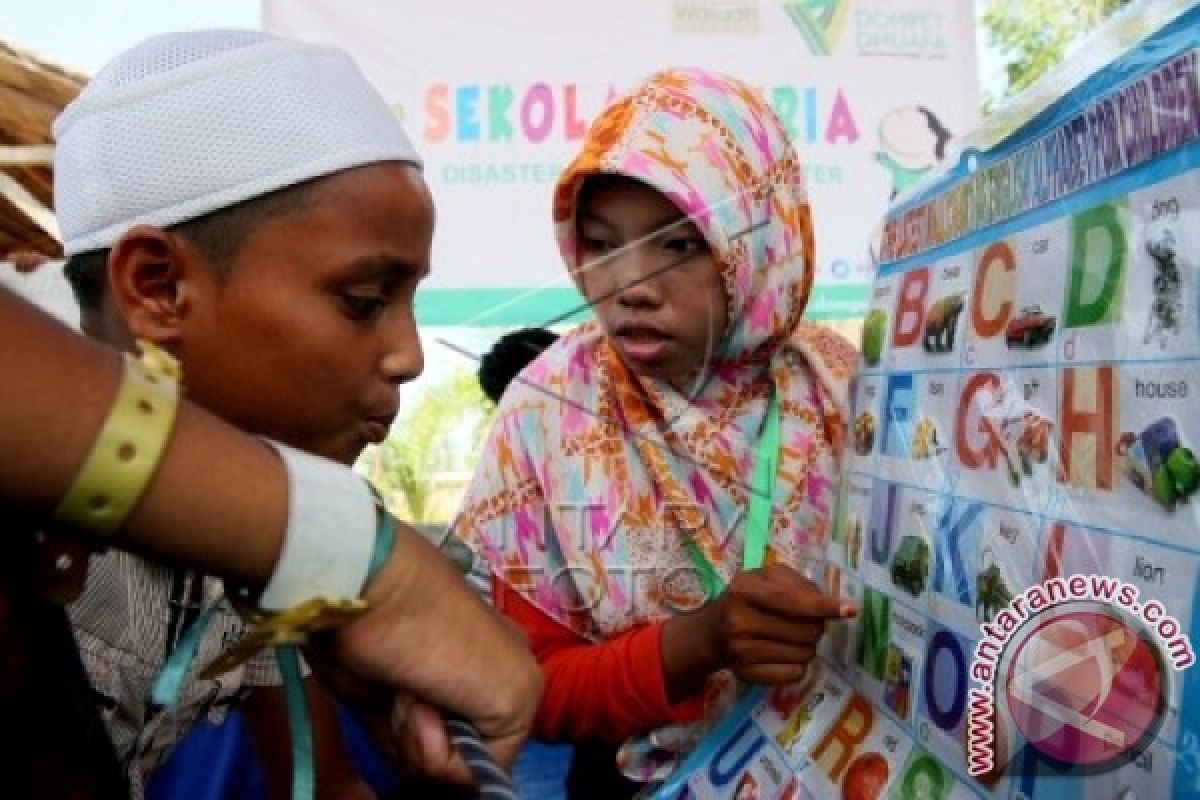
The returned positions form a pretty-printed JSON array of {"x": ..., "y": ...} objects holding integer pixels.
[{"x": 593, "y": 479}]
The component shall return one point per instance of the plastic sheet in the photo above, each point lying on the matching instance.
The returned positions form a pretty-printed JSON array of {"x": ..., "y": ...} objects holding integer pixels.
[{"x": 1025, "y": 426}]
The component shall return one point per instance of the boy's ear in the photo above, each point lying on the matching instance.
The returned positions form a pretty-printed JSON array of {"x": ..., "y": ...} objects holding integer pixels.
[{"x": 151, "y": 278}]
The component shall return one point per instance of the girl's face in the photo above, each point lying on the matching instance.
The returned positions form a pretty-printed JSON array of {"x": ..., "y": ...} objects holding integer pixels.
[{"x": 651, "y": 277}]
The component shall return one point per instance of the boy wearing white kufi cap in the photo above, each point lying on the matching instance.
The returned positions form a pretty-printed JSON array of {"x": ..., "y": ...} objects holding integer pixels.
[{"x": 250, "y": 204}]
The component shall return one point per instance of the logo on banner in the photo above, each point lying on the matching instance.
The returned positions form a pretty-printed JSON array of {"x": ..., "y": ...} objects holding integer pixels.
[
  {"x": 820, "y": 22},
  {"x": 1079, "y": 668},
  {"x": 889, "y": 29},
  {"x": 715, "y": 16}
]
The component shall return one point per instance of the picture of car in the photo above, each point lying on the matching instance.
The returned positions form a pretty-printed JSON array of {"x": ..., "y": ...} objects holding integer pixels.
[
  {"x": 1030, "y": 328},
  {"x": 910, "y": 567}
]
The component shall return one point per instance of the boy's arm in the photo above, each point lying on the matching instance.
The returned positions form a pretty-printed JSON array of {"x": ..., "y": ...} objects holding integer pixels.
[
  {"x": 265, "y": 715},
  {"x": 424, "y": 634}
]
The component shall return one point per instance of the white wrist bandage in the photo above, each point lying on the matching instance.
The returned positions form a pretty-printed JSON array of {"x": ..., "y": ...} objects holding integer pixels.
[{"x": 330, "y": 534}]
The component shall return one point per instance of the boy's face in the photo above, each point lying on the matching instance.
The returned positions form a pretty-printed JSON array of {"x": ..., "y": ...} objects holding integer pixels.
[
  {"x": 651, "y": 278},
  {"x": 310, "y": 331}
]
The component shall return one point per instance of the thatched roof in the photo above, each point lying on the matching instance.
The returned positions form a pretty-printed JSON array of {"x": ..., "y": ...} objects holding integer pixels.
[{"x": 32, "y": 92}]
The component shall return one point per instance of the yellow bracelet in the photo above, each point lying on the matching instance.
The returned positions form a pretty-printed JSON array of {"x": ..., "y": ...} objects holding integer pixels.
[{"x": 128, "y": 448}]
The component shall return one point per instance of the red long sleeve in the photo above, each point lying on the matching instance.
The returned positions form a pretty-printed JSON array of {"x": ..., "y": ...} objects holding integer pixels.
[{"x": 606, "y": 691}]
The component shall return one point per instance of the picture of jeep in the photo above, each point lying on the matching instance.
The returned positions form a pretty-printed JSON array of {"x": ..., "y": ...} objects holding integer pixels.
[
  {"x": 1030, "y": 328},
  {"x": 910, "y": 566}
]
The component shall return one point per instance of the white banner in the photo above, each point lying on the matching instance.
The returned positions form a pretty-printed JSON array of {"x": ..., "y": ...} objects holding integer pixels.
[{"x": 498, "y": 95}]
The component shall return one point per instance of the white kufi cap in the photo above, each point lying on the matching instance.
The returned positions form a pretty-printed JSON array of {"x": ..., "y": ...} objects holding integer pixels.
[{"x": 188, "y": 123}]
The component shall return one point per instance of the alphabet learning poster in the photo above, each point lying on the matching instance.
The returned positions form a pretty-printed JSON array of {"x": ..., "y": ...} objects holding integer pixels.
[{"x": 1019, "y": 517}]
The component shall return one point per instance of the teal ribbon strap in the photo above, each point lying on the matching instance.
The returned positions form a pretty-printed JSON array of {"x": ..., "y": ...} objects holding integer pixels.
[
  {"x": 169, "y": 682},
  {"x": 304, "y": 778}
]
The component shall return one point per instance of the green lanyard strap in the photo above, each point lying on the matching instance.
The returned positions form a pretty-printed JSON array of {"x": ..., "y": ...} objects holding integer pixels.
[{"x": 758, "y": 517}]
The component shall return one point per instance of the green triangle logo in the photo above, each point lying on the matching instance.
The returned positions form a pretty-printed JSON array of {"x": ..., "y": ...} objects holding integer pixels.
[{"x": 820, "y": 22}]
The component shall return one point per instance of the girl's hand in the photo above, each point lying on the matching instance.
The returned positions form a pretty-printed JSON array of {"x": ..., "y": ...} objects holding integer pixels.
[
  {"x": 767, "y": 624},
  {"x": 764, "y": 628}
]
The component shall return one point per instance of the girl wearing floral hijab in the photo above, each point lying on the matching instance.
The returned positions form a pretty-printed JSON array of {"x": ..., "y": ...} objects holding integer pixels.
[{"x": 658, "y": 485}]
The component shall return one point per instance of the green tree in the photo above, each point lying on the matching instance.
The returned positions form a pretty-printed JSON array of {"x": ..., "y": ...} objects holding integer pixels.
[
  {"x": 442, "y": 431},
  {"x": 1033, "y": 36}
]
